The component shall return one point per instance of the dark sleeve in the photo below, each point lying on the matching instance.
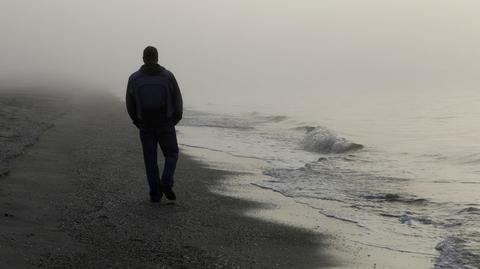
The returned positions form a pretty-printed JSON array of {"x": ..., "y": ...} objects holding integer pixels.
[
  {"x": 131, "y": 104},
  {"x": 177, "y": 101}
]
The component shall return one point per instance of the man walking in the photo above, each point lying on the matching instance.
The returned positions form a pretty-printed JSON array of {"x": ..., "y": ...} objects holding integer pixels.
[{"x": 155, "y": 105}]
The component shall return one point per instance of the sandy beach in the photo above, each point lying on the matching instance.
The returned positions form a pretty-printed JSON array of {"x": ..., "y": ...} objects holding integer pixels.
[
  {"x": 312, "y": 134},
  {"x": 75, "y": 196}
]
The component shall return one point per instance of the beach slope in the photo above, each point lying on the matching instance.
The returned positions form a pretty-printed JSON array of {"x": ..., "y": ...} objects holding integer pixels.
[{"x": 78, "y": 198}]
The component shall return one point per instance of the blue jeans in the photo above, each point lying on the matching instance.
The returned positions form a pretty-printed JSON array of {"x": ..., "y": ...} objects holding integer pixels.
[{"x": 166, "y": 137}]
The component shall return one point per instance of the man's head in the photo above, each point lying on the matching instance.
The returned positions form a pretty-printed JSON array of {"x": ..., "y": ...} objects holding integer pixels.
[{"x": 150, "y": 55}]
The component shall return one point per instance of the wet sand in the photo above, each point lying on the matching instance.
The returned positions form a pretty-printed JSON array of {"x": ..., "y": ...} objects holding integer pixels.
[{"x": 78, "y": 198}]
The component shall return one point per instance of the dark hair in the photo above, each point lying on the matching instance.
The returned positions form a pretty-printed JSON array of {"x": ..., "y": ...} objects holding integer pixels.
[{"x": 150, "y": 55}]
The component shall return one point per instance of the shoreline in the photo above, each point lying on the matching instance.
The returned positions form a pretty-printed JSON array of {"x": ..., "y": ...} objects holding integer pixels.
[
  {"x": 87, "y": 206},
  {"x": 287, "y": 211}
]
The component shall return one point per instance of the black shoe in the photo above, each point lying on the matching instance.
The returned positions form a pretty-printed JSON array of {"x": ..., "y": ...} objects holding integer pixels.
[
  {"x": 167, "y": 190},
  {"x": 156, "y": 199}
]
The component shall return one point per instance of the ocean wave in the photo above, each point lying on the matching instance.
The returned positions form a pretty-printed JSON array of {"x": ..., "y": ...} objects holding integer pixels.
[
  {"x": 470, "y": 210},
  {"x": 410, "y": 220},
  {"x": 305, "y": 128},
  {"x": 470, "y": 159},
  {"x": 277, "y": 118},
  {"x": 209, "y": 120},
  {"x": 221, "y": 126},
  {"x": 389, "y": 197},
  {"x": 453, "y": 254},
  {"x": 323, "y": 140},
  {"x": 393, "y": 197}
]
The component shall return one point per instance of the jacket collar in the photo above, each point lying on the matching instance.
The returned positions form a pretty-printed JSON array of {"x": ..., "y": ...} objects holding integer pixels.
[{"x": 152, "y": 69}]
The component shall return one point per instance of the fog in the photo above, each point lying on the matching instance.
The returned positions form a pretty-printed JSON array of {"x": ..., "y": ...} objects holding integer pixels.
[{"x": 251, "y": 51}]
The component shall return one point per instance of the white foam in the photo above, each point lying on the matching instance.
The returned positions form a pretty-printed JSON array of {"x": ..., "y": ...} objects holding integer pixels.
[{"x": 323, "y": 140}]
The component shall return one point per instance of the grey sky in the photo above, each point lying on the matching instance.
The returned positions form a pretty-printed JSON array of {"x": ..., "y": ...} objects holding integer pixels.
[{"x": 227, "y": 51}]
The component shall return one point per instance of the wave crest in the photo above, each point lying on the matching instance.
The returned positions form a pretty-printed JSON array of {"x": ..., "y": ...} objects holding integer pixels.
[{"x": 322, "y": 140}]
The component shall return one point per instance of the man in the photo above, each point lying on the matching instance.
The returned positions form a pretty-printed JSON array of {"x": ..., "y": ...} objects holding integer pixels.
[{"x": 155, "y": 105}]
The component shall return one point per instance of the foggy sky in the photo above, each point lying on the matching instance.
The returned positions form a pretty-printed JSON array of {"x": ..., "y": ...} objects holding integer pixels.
[{"x": 225, "y": 51}]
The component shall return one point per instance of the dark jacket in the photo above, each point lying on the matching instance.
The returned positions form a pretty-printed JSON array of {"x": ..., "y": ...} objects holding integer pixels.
[{"x": 153, "y": 83}]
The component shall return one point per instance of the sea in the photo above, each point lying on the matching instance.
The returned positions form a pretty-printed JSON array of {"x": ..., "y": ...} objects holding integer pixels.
[{"x": 403, "y": 168}]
